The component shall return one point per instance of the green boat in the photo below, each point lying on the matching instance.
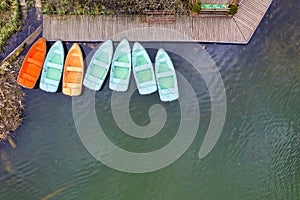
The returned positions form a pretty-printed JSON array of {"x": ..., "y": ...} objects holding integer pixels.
[
  {"x": 121, "y": 67},
  {"x": 143, "y": 70},
  {"x": 165, "y": 77},
  {"x": 213, "y": 6},
  {"x": 99, "y": 66},
  {"x": 52, "y": 68}
]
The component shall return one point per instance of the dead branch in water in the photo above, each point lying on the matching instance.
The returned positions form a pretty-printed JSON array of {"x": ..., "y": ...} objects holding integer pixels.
[{"x": 11, "y": 98}]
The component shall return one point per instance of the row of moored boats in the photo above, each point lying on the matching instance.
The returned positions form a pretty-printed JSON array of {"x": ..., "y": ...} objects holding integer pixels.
[{"x": 120, "y": 63}]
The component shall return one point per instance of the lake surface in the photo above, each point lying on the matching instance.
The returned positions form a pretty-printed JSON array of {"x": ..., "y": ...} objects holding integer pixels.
[{"x": 256, "y": 157}]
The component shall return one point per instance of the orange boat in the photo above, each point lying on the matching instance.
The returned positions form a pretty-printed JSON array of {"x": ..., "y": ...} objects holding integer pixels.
[
  {"x": 33, "y": 64},
  {"x": 73, "y": 72}
]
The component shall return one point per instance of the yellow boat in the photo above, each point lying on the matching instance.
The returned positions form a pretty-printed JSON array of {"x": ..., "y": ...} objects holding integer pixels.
[{"x": 73, "y": 72}]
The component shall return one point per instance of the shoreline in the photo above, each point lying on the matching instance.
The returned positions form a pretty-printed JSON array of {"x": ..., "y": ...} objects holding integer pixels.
[{"x": 11, "y": 94}]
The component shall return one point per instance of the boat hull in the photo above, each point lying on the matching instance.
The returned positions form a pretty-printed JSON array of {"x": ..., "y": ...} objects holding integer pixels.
[
  {"x": 73, "y": 72},
  {"x": 143, "y": 70},
  {"x": 32, "y": 64},
  {"x": 165, "y": 77},
  {"x": 121, "y": 67},
  {"x": 53, "y": 68},
  {"x": 99, "y": 66}
]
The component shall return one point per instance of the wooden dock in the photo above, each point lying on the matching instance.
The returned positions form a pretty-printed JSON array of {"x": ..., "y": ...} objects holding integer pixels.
[{"x": 219, "y": 29}]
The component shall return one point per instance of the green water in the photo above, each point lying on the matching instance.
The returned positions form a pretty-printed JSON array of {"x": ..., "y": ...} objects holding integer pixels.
[{"x": 256, "y": 157}]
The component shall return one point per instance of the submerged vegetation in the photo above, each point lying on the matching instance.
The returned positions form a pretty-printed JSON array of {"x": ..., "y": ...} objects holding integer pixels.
[
  {"x": 10, "y": 14},
  {"x": 99, "y": 7}
]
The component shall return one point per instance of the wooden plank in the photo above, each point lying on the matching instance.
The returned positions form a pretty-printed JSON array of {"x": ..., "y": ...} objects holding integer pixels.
[
  {"x": 160, "y": 27},
  {"x": 249, "y": 16}
]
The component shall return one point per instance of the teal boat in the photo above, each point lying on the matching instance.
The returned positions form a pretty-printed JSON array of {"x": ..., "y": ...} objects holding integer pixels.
[
  {"x": 52, "y": 68},
  {"x": 143, "y": 70},
  {"x": 99, "y": 66},
  {"x": 165, "y": 77},
  {"x": 121, "y": 67}
]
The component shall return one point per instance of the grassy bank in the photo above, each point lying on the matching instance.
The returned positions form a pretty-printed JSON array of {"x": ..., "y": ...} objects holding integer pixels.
[
  {"x": 10, "y": 15},
  {"x": 98, "y": 7}
]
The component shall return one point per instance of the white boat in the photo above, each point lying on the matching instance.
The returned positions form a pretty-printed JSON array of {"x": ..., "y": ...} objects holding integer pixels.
[
  {"x": 99, "y": 66},
  {"x": 165, "y": 77},
  {"x": 143, "y": 70},
  {"x": 121, "y": 67}
]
